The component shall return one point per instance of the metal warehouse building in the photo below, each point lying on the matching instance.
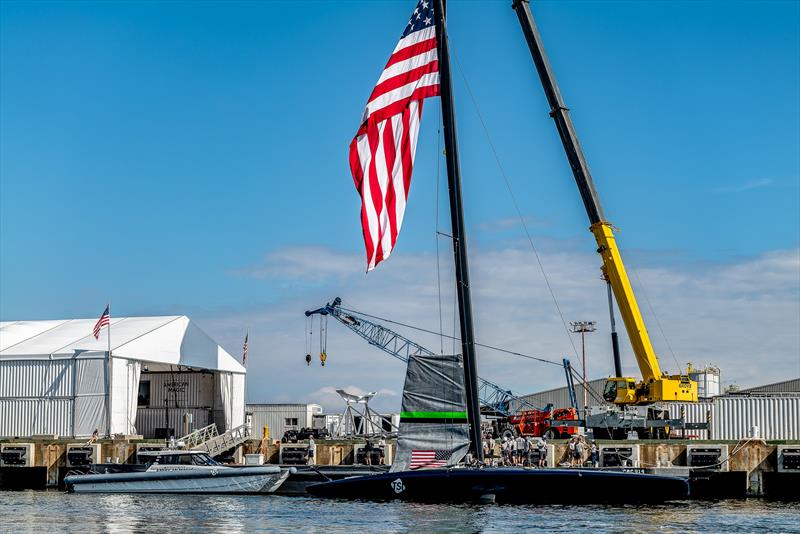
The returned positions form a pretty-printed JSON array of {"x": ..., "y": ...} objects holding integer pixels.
[
  {"x": 787, "y": 386},
  {"x": 163, "y": 375}
]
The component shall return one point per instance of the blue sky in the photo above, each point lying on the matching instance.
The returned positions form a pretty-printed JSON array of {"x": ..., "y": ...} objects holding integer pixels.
[{"x": 169, "y": 156}]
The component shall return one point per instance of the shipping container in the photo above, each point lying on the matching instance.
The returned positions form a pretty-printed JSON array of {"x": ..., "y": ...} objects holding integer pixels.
[
  {"x": 281, "y": 417},
  {"x": 777, "y": 417}
]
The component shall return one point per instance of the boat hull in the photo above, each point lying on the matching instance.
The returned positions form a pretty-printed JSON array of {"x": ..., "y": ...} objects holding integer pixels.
[
  {"x": 222, "y": 480},
  {"x": 508, "y": 485}
]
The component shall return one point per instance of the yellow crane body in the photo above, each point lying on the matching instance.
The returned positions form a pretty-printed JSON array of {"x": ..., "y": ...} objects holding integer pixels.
[{"x": 654, "y": 386}]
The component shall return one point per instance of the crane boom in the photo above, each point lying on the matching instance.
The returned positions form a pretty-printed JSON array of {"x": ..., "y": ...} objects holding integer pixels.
[
  {"x": 494, "y": 399},
  {"x": 655, "y": 385}
]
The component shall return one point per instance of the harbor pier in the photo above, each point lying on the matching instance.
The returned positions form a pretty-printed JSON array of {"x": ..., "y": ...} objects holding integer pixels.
[{"x": 716, "y": 469}]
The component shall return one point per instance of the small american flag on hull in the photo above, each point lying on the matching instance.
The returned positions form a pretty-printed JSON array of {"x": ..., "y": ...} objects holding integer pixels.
[
  {"x": 421, "y": 459},
  {"x": 104, "y": 320},
  {"x": 382, "y": 152}
]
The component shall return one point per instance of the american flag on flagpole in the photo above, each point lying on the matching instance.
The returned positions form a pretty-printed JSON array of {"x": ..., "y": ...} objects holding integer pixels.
[
  {"x": 421, "y": 459},
  {"x": 382, "y": 152},
  {"x": 244, "y": 349},
  {"x": 104, "y": 320}
]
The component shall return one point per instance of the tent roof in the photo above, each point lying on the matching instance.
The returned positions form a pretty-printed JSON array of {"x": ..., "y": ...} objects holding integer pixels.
[{"x": 173, "y": 339}]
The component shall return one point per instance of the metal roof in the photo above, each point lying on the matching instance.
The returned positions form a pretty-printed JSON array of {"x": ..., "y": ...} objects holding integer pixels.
[
  {"x": 172, "y": 339},
  {"x": 787, "y": 386}
]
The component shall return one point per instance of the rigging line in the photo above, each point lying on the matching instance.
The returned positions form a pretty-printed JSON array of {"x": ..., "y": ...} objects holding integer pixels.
[
  {"x": 583, "y": 381},
  {"x": 653, "y": 311},
  {"x": 491, "y": 347},
  {"x": 436, "y": 225},
  {"x": 516, "y": 204}
]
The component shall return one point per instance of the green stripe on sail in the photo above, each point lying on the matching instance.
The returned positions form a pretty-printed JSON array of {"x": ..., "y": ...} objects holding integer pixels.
[{"x": 433, "y": 415}]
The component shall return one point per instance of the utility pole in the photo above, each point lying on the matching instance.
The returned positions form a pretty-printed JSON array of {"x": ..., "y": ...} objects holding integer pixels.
[{"x": 582, "y": 327}]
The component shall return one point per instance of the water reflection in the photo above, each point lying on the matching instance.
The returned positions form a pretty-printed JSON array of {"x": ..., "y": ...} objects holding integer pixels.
[{"x": 44, "y": 512}]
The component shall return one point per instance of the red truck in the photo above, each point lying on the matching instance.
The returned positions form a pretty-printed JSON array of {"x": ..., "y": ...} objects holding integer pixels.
[{"x": 538, "y": 423}]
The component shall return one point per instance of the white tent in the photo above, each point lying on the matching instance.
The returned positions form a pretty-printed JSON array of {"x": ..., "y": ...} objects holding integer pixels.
[{"x": 56, "y": 378}]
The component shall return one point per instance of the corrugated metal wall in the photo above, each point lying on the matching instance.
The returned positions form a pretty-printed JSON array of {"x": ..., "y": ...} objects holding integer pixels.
[
  {"x": 275, "y": 415},
  {"x": 28, "y": 417},
  {"x": 41, "y": 396},
  {"x": 777, "y": 417},
  {"x": 148, "y": 419},
  {"x": 36, "y": 378},
  {"x": 197, "y": 389},
  {"x": 559, "y": 397}
]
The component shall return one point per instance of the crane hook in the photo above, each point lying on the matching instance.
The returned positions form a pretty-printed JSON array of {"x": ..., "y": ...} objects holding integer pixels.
[{"x": 308, "y": 359}]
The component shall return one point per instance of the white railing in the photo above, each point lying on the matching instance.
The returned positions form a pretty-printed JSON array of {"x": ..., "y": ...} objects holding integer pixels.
[
  {"x": 199, "y": 436},
  {"x": 223, "y": 442}
]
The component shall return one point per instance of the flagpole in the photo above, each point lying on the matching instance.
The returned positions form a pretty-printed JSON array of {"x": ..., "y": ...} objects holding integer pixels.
[
  {"x": 244, "y": 393},
  {"x": 459, "y": 233},
  {"x": 110, "y": 372}
]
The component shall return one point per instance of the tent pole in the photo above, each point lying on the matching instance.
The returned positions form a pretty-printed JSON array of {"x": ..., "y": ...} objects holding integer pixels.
[{"x": 109, "y": 374}]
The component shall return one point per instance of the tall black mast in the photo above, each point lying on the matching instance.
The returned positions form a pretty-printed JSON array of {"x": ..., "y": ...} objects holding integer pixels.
[{"x": 459, "y": 234}]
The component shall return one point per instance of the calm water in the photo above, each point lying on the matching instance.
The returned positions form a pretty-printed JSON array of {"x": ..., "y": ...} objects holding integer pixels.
[{"x": 48, "y": 512}]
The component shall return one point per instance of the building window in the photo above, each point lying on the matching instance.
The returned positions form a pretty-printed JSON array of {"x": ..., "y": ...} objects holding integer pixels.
[
  {"x": 144, "y": 393},
  {"x": 290, "y": 421}
]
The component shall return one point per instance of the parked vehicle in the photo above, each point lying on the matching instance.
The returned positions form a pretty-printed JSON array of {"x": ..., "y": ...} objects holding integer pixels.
[
  {"x": 293, "y": 436},
  {"x": 539, "y": 423}
]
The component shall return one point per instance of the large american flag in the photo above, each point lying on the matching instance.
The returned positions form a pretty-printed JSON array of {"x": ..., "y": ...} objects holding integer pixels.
[
  {"x": 382, "y": 152},
  {"x": 244, "y": 349},
  {"x": 421, "y": 459},
  {"x": 104, "y": 320}
]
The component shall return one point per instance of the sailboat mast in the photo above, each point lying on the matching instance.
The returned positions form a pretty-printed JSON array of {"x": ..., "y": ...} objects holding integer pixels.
[{"x": 459, "y": 234}]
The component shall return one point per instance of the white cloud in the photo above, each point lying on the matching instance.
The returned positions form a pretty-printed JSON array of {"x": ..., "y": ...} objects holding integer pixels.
[
  {"x": 746, "y": 186},
  {"x": 743, "y": 316}
]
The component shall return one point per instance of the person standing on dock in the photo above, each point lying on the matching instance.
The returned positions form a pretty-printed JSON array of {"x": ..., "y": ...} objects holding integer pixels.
[
  {"x": 594, "y": 453},
  {"x": 520, "y": 444},
  {"x": 541, "y": 446},
  {"x": 573, "y": 455},
  {"x": 368, "y": 452},
  {"x": 310, "y": 452},
  {"x": 579, "y": 451},
  {"x": 382, "y": 450}
]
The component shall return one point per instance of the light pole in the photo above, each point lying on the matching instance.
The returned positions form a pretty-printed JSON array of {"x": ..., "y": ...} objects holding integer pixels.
[{"x": 582, "y": 327}]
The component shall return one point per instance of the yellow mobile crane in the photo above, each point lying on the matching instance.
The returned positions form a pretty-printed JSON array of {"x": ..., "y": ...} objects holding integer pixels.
[{"x": 654, "y": 386}]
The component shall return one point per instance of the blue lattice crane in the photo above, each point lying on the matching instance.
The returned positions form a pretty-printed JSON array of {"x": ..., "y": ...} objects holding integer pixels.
[{"x": 495, "y": 400}]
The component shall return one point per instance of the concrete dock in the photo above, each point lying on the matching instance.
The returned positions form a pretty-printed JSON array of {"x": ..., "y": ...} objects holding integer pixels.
[{"x": 747, "y": 468}]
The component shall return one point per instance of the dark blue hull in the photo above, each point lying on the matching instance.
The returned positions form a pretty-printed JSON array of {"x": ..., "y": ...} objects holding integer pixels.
[{"x": 508, "y": 485}]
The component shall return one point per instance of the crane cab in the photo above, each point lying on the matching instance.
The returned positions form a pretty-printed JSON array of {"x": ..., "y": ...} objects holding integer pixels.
[
  {"x": 620, "y": 390},
  {"x": 678, "y": 388}
]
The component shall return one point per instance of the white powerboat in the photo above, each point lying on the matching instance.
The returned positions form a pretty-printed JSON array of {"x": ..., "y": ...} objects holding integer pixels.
[{"x": 181, "y": 472}]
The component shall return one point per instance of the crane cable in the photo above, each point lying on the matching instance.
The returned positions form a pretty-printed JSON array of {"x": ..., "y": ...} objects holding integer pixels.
[
  {"x": 653, "y": 312},
  {"x": 323, "y": 339},
  {"x": 516, "y": 204},
  {"x": 491, "y": 347}
]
